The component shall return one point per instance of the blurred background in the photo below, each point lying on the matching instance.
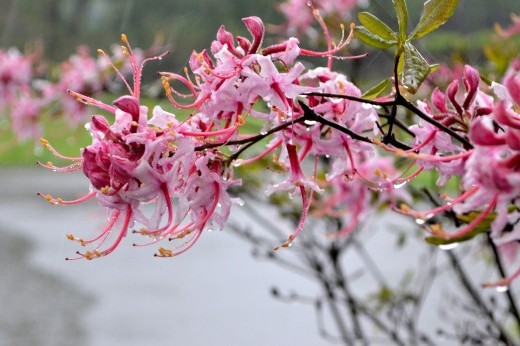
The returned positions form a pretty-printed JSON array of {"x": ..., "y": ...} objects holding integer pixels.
[
  {"x": 182, "y": 26},
  {"x": 218, "y": 293}
]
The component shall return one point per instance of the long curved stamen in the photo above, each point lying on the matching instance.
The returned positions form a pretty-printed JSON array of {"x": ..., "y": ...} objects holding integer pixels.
[
  {"x": 58, "y": 200},
  {"x": 122, "y": 233},
  {"x": 503, "y": 283},
  {"x": 119, "y": 74},
  {"x": 305, "y": 209},
  {"x": 425, "y": 215},
  {"x": 66, "y": 169},
  {"x": 210, "y": 133},
  {"x": 169, "y": 208},
  {"x": 104, "y": 233},
  {"x": 89, "y": 101},
  {"x": 437, "y": 231},
  {"x": 45, "y": 143}
]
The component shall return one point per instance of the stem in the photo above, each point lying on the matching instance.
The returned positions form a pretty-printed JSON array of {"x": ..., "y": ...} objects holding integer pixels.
[
  {"x": 333, "y": 254},
  {"x": 355, "y": 307},
  {"x": 464, "y": 280},
  {"x": 331, "y": 299},
  {"x": 309, "y": 114},
  {"x": 513, "y": 308},
  {"x": 400, "y": 100}
]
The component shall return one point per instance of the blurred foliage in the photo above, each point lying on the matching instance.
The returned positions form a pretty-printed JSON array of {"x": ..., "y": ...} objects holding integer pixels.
[{"x": 62, "y": 25}]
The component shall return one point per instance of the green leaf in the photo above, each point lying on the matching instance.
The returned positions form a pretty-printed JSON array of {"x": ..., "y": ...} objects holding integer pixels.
[
  {"x": 442, "y": 241},
  {"x": 482, "y": 227},
  {"x": 415, "y": 68},
  {"x": 377, "y": 26},
  {"x": 372, "y": 39},
  {"x": 402, "y": 18},
  {"x": 377, "y": 90},
  {"x": 434, "y": 14}
]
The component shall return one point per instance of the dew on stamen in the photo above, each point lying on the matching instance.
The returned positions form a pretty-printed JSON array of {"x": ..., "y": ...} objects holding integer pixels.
[
  {"x": 399, "y": 184},
  {"x": 447, "y": 247}
]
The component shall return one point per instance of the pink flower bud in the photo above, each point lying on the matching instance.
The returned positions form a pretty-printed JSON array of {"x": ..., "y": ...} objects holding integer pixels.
[
  {"x": 130, "y": 105},
  {"x": 481, "y": 133},
  {"x": 451, "y": 91},
  {"x": 100, "y": 124},
  {"x": 513, "y": 86},
  {"x": 439, "y": 100},
  {"x": 471, "y": 82},
  {"x": 256, "y": 28}
]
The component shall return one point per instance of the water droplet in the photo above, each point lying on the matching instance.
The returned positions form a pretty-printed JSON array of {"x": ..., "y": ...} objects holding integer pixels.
[
  {"x": 38, "y": 151},
  {"x": 502, "y": 289},
  {"x": 398, "y": 185},
  {"x": 160, "y": 58},
  {"x": 447, "y": 247},
  {"x": 219, "y": 205},
  {"x": 209, "y": 230},
  {"x": 420, "y": 221},
  {"x": 309, "y": 122},
  {"x": 237, "y": 163},
  {"x": 309, "y": 3},
  {"x": 71, "y": 140},
  {"x": 263, "y": 132}
]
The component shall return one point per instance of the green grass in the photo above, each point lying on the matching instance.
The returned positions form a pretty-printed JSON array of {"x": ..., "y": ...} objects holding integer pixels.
[{"x": 69, "y": 141}]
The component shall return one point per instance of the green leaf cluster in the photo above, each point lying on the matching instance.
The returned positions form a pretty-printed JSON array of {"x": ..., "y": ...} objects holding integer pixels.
[{"x": 412, "y": 67}]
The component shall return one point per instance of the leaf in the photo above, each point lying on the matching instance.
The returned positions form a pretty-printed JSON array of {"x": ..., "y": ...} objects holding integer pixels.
[
  {"x": 376, "y": 90},
  {"x": 442, "y": 241},
  {"x": 434, "y": 14},
  {"x": 402, "y": 18},
  {"x": 372, "y": 39},
  {"x": 377, "y": 26},
  {"x": 482, "y": 227},
  {"x": 415, "y": 68}
]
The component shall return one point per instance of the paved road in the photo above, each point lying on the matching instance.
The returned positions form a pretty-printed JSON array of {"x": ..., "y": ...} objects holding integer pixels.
[{"x": 215, "y": 294}]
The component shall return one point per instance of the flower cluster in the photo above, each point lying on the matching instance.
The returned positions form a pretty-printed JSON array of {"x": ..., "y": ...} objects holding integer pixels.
[
  {"x": 170, "y": 178},
  {"x": 29, "y": 89},
  {"x": 299, "y": 14},
  {"x": 182, "y": 169},
  {"x": 487, "y": 158},
  {"x": 16, "y": 97}
]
